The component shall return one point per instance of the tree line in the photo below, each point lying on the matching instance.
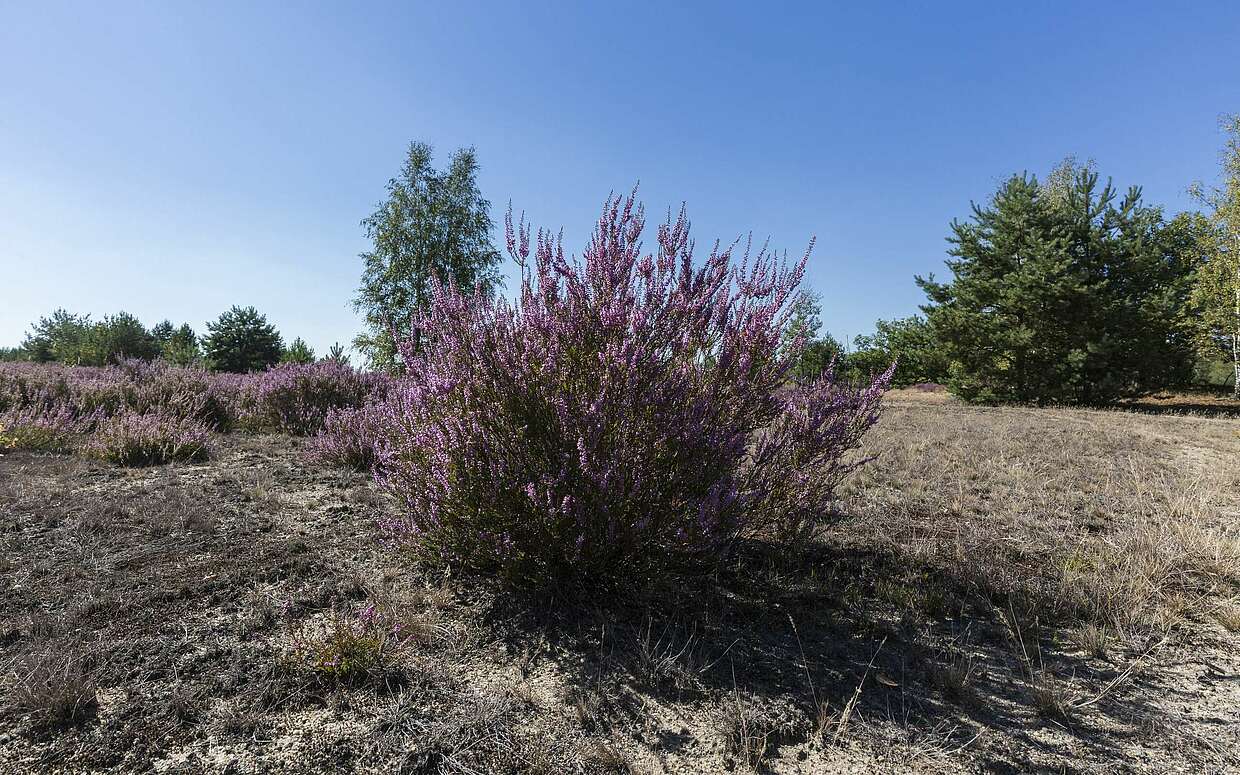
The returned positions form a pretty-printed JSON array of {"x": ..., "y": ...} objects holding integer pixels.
[
  {"x": 239, "y": 340},
  {"x": 1062, "y": 290}
]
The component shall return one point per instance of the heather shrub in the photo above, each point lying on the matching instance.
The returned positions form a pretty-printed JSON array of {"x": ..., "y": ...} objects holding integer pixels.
[
  {"x": 46, "y": 427},
  {"x": 140, "y": 386},
  {"x": 351, "y": 437},
  {"x": 133, "y": 439},
  {"x": 296, "y": 398},
  {"x": 625, "y": 416},
  {"x": 156, "y": 387}
]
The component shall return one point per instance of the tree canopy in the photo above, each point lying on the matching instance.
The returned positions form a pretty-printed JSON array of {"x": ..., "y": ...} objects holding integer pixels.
[
  {"x": 242, "y": 340},
  {"x": 1216, "y": 291},
  {"x": 432, "y": 224},
  {"x": 1064, "y": 294}
]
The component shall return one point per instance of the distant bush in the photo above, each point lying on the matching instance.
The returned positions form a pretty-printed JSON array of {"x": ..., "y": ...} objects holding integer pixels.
[
  {"x": 133, "y": 439},
  {"x": 604, "y": 425},
  {"x": 296, "y": 398},
  {"x": 907, "y": 342}
]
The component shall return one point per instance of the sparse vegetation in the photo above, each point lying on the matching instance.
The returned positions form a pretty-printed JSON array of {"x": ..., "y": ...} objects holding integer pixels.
[{"x": 948, "y": 612}]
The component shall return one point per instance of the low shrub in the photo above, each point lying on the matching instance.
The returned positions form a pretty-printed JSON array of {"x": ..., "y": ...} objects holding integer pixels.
[
  {"x": 351, "y": 437},
  {"x": 133, "y": 439},
  {"x": 609, "y": 423},
  {"x": 347, "y": 648},
  {"x": 296, "y": 398},
  {"x": 43, "y": 427}
]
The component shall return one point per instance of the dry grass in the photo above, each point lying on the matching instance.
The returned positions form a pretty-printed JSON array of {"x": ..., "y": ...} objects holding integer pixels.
[
  {"x": 1128, "y": 521},
  {"x": 1001, "y": 571},
  {"x": 56, "y": 689}
]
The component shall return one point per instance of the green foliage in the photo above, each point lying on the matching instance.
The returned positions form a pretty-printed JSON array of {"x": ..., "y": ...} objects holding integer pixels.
[
  {"x": 348, "y": 649},
  {"x": 907, "y": 341},
  {"x": 163, "y": 332},
  {"x": 117, "y": 337},
  {"x": 61, "y": 337},
  {"x": 298, "y": 352},
  {"x": 1216, "y": 288},
  {"x": 181, "y": 347},
  {"x": 76, "y": 341},
  {"x": 10, "y": 354},
  {"x": 337, "y": 354},
  {"x": 816, "y": 351},
  {"x": 432, "y": 224},
  {"x": 242, "y": 340},
  {"x": 1064, "y": 295},
  {"x": 801, "y": 332}
]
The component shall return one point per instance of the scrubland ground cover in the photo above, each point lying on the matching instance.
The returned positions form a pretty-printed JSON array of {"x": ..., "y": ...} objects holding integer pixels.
[{"x": 1011, "y": 590}]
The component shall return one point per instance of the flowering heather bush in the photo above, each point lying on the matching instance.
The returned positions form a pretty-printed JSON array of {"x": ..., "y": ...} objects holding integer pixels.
[
  {"x": 608, "y": 422},
  {"x": 46, "y": 427},
  {"x": 138, "y": 386},
  {"x": 801, "y": 457},
  {"x": 351, "y": 437},
  {"x": 296, "y": 398},
  {"x": 133, "y": 439}
]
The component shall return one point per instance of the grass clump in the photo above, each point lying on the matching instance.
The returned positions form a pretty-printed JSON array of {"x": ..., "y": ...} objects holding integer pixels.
[
  {"x": 54, "y": 689},
  {"x": 348, "y": 649}
]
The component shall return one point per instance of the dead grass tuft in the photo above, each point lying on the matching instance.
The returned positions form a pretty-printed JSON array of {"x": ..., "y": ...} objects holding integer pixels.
[{"x": 55, "y": 689}]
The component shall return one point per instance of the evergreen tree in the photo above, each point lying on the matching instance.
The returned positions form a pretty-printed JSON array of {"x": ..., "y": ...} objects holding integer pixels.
[
  {"x": 1216, "y": 290},
  {"x": 242, "y": 340},
  {"x": 1062, "y": 295},
  {"x": 337, "y": 353},
  {"x": 61, "y": 336},
  {"x": 298, "y": 352},
  {"x": 163, "y": 332},
  {"x": 432, "y": 224},
  {"x": 907, "y": 341},
  {"x": 181, "y": 347}
]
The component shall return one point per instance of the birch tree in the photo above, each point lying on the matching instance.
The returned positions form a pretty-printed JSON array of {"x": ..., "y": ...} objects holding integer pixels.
[{"x": 1216, "y": 292}]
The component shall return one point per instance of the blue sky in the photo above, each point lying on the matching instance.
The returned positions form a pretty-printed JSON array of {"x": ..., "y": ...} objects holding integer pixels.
[{"x": 174, "y": 159}]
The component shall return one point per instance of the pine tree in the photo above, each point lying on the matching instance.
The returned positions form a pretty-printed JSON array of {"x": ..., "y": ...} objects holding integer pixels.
[
  {"x": 60, "y": 336},
  {"x": 298, "y": 352},
  {"x": 242, "y": 340},
  {"x": 1062, "y": 295},
  {"x": 116, "y": 337}
]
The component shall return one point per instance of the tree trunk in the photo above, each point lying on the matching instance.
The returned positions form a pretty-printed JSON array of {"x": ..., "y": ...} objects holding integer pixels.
[{"x": 1235, "y": 342}]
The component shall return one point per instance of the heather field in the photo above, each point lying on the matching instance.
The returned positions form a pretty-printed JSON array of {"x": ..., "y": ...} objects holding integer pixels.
[{"x": 1002, "y": 590}]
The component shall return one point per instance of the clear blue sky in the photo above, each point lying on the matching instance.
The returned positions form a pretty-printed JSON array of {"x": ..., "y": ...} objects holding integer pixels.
[{"x": 173, "y": 159}]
